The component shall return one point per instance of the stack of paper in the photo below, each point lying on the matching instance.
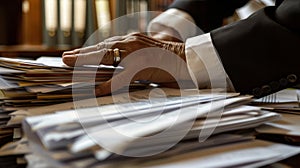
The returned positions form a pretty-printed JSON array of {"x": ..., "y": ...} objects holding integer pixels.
[
  {"x": 72, "y": 138},
  {"x": 287, "y": 130},
  {"x": 284, "y": 101},
  {"x": 27, "y": 84},
  {"x": 71, "y": 134},
  {"x": 45, "y": 81},
  {"x": 17, "y": 144}
]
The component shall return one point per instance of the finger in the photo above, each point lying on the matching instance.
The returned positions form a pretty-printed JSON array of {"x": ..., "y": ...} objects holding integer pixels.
[
  {"x": 69, "y": 60},
  {"x": 128, "y": 76},
  {"x": 146, "y": 38},
  {"x": 72, "y": 52},
  {"x": 70, "y": 57},
  {"x": 104, "y": 56},
  {"x": 80, "y": 50},
  {"x": 86, "y": 49},
  {"x": 137, "y": 34},
  {"x": 114, "y": 38},
  {"x": 115, "y": 83},
  {"x": 100, "y": 46},
  {"x": 118, "y": 81},
  {"x": 107, "y": 43},
  {"x": 143, "y": 39},
  {"x": 175, "y": 47}
]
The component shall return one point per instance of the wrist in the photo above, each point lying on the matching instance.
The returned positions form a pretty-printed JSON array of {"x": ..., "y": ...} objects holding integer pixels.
[{"x": 177, "y": 48}]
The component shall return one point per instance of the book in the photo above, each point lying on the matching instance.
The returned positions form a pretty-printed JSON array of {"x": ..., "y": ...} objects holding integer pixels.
[
  {"x": 31, "y": 22},
  {"x": 50, "y": 22},
  {"x": 91, "y": 24},
  {"x": 103, "y": 16},
  {"x": 78, "y": 22},
  {"x": 64, "y": 23}
]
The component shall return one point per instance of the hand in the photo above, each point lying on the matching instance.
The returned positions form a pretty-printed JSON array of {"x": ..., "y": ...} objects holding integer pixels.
[
  {"x": 143, "y": 58},
  {"x": 165, "y": 37},
  {"x": 165, "y": 33}
]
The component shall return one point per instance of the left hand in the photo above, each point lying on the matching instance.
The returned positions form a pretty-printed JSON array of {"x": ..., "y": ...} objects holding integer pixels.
[{"x": 146, "y": 59}]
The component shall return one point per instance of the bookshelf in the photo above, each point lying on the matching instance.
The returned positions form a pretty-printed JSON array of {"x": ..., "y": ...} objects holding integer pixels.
[
  {"x": 10, "y": 18},
  {"x": 31, "y": 22},
  {"x": 49, "y": 27},
  {"x": 29, "y": 50}
]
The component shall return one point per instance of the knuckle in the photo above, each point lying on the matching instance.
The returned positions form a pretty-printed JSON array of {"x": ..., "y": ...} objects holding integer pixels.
[
  {"x": 115, "y": 44},
  {"x": 135, "y": 34}
]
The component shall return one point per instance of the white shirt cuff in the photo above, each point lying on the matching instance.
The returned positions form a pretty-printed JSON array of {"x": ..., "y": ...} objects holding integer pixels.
[
  {"x": 173, "y": 22},
  {"x": 204, "y": 65}
]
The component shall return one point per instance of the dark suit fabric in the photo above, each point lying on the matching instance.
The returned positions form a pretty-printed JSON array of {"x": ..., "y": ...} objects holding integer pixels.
[
  {"x": 261, "y": 54},
  {"x": 208, "y": 14}
]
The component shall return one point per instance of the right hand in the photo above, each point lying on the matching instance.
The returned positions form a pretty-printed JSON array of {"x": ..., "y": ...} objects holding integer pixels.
[
  {"x": 166, "y": 33},
  {"x": 137, "y": 52},
  {"x": 165, "y": 37}
]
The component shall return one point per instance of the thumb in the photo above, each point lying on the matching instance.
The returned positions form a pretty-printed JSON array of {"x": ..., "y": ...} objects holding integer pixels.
[{"x": 117, "y": 82}]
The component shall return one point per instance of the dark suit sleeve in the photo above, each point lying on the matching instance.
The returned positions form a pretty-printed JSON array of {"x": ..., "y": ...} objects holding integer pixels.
[
  {"x": 261, "y": 54},
  {"x": 208, "y": 14}
]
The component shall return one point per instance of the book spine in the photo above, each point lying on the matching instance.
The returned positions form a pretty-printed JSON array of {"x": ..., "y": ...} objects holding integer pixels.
[
  {"x": 31, "y": 22},
  {"x": 103, "y": 16},
  {"x": 78, "y": 22},
  {"x": 119, "y": 24},
  {"x": 50, "y": 22},
  {"x": 91, "y": 23},
  {"x": 64, "y": 23}
]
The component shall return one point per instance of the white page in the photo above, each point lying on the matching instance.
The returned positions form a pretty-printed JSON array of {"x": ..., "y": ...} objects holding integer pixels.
[
  {"x": 283, "y": 96},
  {"x": 288, "y": 125},
  {"x": 164, "y": 121},
  {"x": 51, "y": 61},
  {"x": 4, "y": 70},
  {"x": 92, "y": 115},
  {"x": 229, "y": 155},
  {"x": 6, "y": 84},
  {"x": 109, "y": 111}
]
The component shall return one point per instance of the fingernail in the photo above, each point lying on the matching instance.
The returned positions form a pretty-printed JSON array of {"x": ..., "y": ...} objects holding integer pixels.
[{"x": 69, "y": 60}]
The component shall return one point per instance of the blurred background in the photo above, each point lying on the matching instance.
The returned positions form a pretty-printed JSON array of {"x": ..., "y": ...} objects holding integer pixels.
[{"x": 48, "y": 27}]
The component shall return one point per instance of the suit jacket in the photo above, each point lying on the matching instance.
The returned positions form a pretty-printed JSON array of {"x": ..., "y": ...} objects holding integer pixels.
[
  {"x": 208, "y": 14},
  {"x": 261, "y": 54}
]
